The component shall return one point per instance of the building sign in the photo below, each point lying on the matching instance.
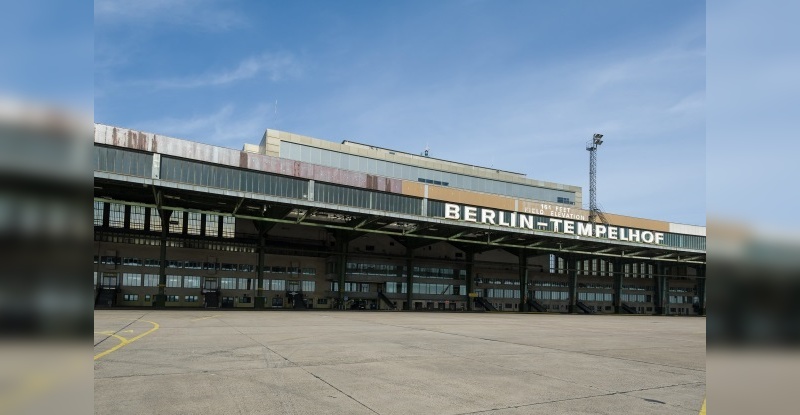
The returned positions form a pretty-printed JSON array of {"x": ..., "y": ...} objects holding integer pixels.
[{"x": 565, "y": 226}]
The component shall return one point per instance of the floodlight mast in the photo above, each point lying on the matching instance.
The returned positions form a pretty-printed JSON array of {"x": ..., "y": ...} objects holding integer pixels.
[{"x": 594, "y": 211}]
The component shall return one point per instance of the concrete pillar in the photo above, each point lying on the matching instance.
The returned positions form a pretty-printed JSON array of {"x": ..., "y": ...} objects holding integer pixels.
[
  {"x": 409, "y": 278},
  {"x": 160, "y": 299},
  {"x": 523, "y": 280},
  {"x": 618, "y": 280},
  {"x": 342, "y": 243},
  {"x": 470, "y": 279},
  {"x": 572, "y": 272},
  {"x": 659, "y": 289},
  {"x": 260, "y": 300}
]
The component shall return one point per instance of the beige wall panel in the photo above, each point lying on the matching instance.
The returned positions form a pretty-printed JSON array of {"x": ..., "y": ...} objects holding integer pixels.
[
  {"x": 470, "y": 198},
  {"x": 413, "y": 189},
  {"x": 653, "y": 225}
]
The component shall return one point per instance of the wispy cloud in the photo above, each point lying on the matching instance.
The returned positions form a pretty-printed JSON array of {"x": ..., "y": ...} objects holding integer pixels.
[
  {"x": 226, "y": 127},
  {"x": 272, "y": 67},
  {"x": 208, "y": 15}
]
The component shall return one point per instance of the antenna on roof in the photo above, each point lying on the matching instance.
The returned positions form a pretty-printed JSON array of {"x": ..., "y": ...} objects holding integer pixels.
[{"x": 427, "y": 149}]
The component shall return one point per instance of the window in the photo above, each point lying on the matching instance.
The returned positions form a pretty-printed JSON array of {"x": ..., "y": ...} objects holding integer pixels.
[
  {"x": 194, "y": 222},
  {"x": 246, "y": 268},
  {"x": 173, "y": 298},
  {"x": 137, "y": 217},
  {"x": 133, "y": 262},
  {"x": 308, "y": 286},
  {"x": 322, "y": 301},
  {"x": 116, "y": 215},
  {"x": 98, "y": 213},
  {"x": 278, "y": 285},
  {"x": 191, "y": 282},
  {"x": 132, "y": 280},
  {"x": 176, "y": 222},
  {"x": 155, "y": 220},
  {"x": 244, "y": 283},
  {"x": 192, "y": 265},
  {"x": 150, "y": 280},
  {"x": 212, "y": 225},
  {"x": 149, "y": 262},
  {"x": 228, "y": 227},
  {"x": 174, "y": 264},
  {"x": 228, "y": 283},
  {"x": 174, "y": 281},
  {"x": 191, "y": 299},
  {"x": 130, "y": 297}
]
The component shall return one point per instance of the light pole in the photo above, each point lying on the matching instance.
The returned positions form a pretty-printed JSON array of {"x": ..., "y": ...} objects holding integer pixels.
[{"x": 592, "y": 146}]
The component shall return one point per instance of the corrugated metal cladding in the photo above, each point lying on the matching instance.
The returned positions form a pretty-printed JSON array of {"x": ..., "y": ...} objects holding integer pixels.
[{"x": 205, "y": 153}]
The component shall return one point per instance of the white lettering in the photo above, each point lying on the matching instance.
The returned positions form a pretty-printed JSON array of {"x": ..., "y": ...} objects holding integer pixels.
[
  {"x": 569, "y": 226},
  {"x": 612, "y": 232},
  {"x": 526, "y": 221},
  {"x": 659, "y": 238},
  {"x": 500, "y": 219},
  {"x": 487, "y": 216},
  {"x": 584, "y": 229},
  {"x": 599, "y": 230},
  {"x": 634, "y": 235},
  {"x": 555, "y": 223},
  {"x": 623, "y": 235},
  {"x": 647, "y": 237},
  {"x": 452, "y": 211},
  {"x": 471, "y": 213}
]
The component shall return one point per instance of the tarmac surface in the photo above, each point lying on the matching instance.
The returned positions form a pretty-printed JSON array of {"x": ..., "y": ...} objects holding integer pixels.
[{"x": 371, "y": 362}]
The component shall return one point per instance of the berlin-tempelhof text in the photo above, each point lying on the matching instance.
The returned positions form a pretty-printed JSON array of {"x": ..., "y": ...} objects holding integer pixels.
[{"x": 524, "y": 221}]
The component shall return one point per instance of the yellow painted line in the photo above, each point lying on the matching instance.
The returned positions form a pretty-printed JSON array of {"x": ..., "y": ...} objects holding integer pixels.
[
  {"x": 205, "y": 318},
  {"x": 124, "y": 341},
  {"x": 703, "y": 408},
  {"x": 114, "y": 335}
]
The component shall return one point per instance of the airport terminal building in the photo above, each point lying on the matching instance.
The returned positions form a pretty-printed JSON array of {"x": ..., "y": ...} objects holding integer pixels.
[{"x": 298, "y": 222}]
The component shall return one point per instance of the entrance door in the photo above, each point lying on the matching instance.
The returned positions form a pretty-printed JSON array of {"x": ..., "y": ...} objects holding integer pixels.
[{"x": 293, "y": 286}]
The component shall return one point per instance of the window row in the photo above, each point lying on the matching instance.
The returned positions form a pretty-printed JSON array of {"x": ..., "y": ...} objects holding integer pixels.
[
  {"x": 501, "y": 293},
  {"x": 583, "y": 296},
  {"x": 222, "y": 177},
  {"x": 349, "y": 196},
  {"x": 117, "y": 215},
  {"x": 383, "y": 168},
  {"x": 128, "y": 162}
]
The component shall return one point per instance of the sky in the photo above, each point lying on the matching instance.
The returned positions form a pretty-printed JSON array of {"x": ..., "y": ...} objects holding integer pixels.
[{"x": 514, "y": 85}]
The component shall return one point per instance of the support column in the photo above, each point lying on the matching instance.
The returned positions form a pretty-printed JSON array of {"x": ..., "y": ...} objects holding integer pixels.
[
  {"x": 160, "y": 300},
  {"x": 523, "y": 280},
  {"x": 260, "y": 300},
  {"x": 701, "y": 289},
  {"x": 572, "y": 269},
  {"x": 618, "y": 280},
  {"x": 659, "y": 288},
  {"x": 409, "y": 277},
  {"x": 342, "y": 242},
  {"x": 470, "y": 279}
]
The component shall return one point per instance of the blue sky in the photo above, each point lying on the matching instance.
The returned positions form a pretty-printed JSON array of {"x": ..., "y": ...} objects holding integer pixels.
[{"x": 517, "y": 85}]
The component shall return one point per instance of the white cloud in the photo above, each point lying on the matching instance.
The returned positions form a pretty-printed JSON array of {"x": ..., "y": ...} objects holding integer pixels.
[
  {"x": 209, "y": 15},
  {"x": 226, "y": 127},
  {"x": 272, "y": 66}
]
